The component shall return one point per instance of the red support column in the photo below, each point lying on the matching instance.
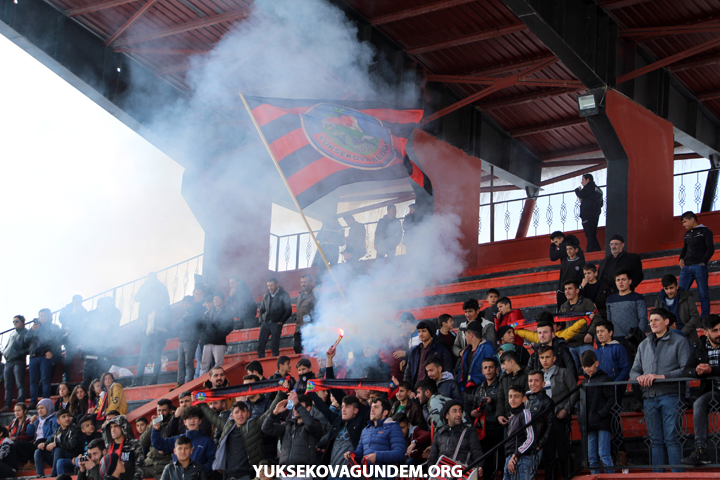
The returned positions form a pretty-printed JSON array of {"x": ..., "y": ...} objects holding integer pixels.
[{"x": 525, "y": 218}]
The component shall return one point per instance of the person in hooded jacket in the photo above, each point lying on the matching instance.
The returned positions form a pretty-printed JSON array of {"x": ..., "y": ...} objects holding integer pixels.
[
  {"x": 591, "y": 203},
  {"x": 682, "y": 304},
  {"x": 598, "y": 405},
  {"x": 428, "y": 347},
  {"x": 120, "y": 440},
  {"x": 382, "y": 441},
  {"x": 275, "y": 310},
  {"x": 445, "y": 381},
  {"x": 300, "y": 433},
  {"x": 42, "y": 425},
  {"x": 65, "y": 442},
  {"x": 698, "y": 249}
]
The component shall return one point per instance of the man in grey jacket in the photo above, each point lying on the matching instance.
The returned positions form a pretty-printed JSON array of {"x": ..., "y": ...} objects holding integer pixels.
[
  {"x": 14, "y": 353},
  {"x": 662, "y": 355},
  {"x": 275, "y": 310}
]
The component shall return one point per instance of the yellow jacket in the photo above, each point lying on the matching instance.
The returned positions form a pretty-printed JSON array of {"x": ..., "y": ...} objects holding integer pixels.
[
  {"x": 116, "y": 399},
  {"x": 564, "y": 334}
]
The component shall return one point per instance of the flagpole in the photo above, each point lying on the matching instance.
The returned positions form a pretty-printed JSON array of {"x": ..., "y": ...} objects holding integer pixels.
[{"x": 297, "y": 205}]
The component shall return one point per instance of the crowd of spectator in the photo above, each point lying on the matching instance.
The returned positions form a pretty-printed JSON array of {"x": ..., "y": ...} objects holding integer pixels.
[{"x": 459, "y": 393}]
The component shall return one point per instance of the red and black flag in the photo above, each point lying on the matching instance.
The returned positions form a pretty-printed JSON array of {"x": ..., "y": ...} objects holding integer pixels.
[{"x": 322, "y": 145}]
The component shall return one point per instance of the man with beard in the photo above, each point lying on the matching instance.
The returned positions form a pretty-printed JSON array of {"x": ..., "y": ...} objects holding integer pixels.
[
  {"x": 275, "y": 309},
  {"x": 620, "y": 259},
  {"x": 455, "y": 440}
]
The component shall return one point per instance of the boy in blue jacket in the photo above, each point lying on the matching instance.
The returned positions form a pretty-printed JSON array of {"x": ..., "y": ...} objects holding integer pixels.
[
  {"x": 203, "y": 447},
  {"x": 613, "y": 360},
  {"x": 382, "y": 442},
  {"x": 478, "y": 349}
]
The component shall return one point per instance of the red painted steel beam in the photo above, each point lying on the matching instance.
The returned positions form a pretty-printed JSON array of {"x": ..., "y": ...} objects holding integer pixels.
[
  {"x": 185, "y": 27},
  {"x": 551, "y": 82},
  {"x": 547, "y": 127},
  {"x": 160, "y": 51},
  {"x": 671, "y": 30},
  {"x": 531, "y": 97},
  {"x": 694, "y": 63},
  {"x": 96, "y": 7},
  {"x": 562, "y": 154},
  {"x": 509, "y": 67},
  {"x": 465, "y": 101},
  {"x": 136, "y": 16},
  {"x": 669, "y": 60},
  {"x": 712, "y": 95},
  {"x": 467, "y": 79},
  {"x": 417, "y": 11},
  {"x": 615, "y": 4},
  {"x": 525, "y": 218},
  {"x": 578, "y": 162},
  {"x": 465, "y": 39},
  {"x": 574, "y": 174}
]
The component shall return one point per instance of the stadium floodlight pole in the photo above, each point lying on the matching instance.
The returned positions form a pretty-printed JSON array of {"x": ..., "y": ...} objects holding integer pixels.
[{"x": 297, "y": 205}]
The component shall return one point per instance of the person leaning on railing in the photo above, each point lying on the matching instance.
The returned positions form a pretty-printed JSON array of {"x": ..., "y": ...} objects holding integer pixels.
[
  {"x": 662, "y": 355},
  {"x": 705, "y": 362}
]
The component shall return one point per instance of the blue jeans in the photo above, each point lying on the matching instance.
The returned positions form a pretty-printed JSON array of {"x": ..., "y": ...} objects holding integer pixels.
[
  {"x": 698, "y": 273},
  {"x": 65, "y": 465},
  {"x": 525, "y": 468},
  {"x": 198, "y": 358},
  {"x": 599, "y": 450},
  {"x": 186, "y": 357},
  {"x": 51, "y": 458},
  {"x": 40, "y": 376},
  {"x": 662, "y": 420},
  {"x": 576, "y": 352}
]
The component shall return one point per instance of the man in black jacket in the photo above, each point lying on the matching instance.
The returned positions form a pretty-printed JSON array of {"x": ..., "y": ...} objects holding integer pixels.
[
  {"x": 571, "y": 268},
  {"x": 241, "y": 301},
  {"x": 591, "y": 203},
  {"x": 345, "y": 432},
  {"x": 43, "y": 344},
  {"x": 559, "y": 243},
  {"x": 275, "y": 309},
  {"x": 484, "y": 403},
  {"x": 698, "y": 249},
  {"x": 619, "y": 259},
  {"x": 300, "y": 433},
  {"x": 540, "y": 405},
  {"x": 304, "y": 309},
  {"x": 15, "y": 353},
  {"x": 705, "y": 362},
  {"x": 184, "y": 468},
  {"x": 216, "y": 326},
  {"x": 455, "y": 440}
]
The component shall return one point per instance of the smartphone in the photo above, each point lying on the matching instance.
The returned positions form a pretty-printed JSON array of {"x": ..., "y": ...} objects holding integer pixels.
[{"x": 157, "y": 419}]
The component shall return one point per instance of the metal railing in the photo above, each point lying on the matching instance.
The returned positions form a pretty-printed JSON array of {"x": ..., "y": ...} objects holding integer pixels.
[
  {"x": 678, "y": 411},
  {"x": 297, "y": 250},
  {"x": 696, "y": 181}
]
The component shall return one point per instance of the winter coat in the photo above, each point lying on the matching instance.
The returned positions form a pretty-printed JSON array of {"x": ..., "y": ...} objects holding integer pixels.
[
  {"x": 217, "y": 325},
  {"x": 669, "y": 358},
  {"x": 92, "y": 474},
  {"x": 134, "y": 468},
  {"x": 353, "y": 426},
  {"x": 355, "y": 240},
  {"x": 299, "y": 440},
  {"x": 688, "y": 317},
  {"x": 102, "y": 322},
  {"x": 506, "y": 381},
  {"x": 190, "y": 325},
  {"x": 524, "y": 443},
  {"x": 242, "y": 303},
  {"x": 599, "y": 401},
  {"x": 583, "y": 305},
  {"x": 557, "y": 252},
  {"x": 614, "y": 360},
  {"x": 490, "y": 391},
  {"x": 591, "y": 200},
  {"x": 571, "y": 270},
  {"x": 116, "y": 399},
  {"x": 540, "y": 405},
  {"x": 304, "y": 307},
  {"x": 520, "y": 350},
  {"x": 20, "y": 431},
  {"x": 414, "y": 412},
  {"x": 176, "y": 427},
  {"x": 8, "y": 453},
  {"x": 153, "y": 297},
  {"x": 627, "y": 313},
  {"x": 388, "y": 234},
  {"x": 700, "y": 355},
  {"x": 563, "y": 356},
  {"x": 251, "y": 432},
  {"x": 474, "y": 373},
  {"x": 609, "y": 265},
  {"x": 46, "y": 338},
  {"x": 448, "y": 387},
  {"x": 203, "y": 446},
  {"x": 432, "y": 410},
  {"x": 154, "y": 460},
  {"x": 48, "y": 428},
  {"x": 698, "y": 246},
  {"x": 435, "y": 349},
  {"x": 175, "y": 471},
  {"x": 385, "y": 439},
  {"x": 445, "y": 442},
  {"x": 562, "y": 381},
  {"x": 69, "y": 439},
  {"x": 72, "y": 321},
  {"x": 275, "y": 309},
  {"x": 488, "y": 331},
  {"x": 15, "y": 348}
]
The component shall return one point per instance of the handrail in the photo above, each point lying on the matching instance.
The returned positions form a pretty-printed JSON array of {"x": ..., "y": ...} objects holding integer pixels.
[{"x": 539, "y": 196}]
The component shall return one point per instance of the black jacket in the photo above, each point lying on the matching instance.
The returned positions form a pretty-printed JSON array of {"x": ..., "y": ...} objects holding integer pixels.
[
  {"x": 217, "y": 325},
  {"x": 46, "y": 338},
  {"x": 502, "y": 409},
  {"x": 700, "y": 355},
  {"x": 599, "y": 401},
  {"x": 491, "y": 391},
  {"x": 591, "y": 200},
  {"x": 277, "y": 309},
  {"x": 175, "y": 471},
  {"x": 243, "y": 303},
  {"x": 538, "y": 403},
  {"x": 698, "y": 247},
  {"x": 152, "y": 296},
  {"x": 15, "y": 348},
  {"x": 609, "y": 265},
  {"x": 69, "y": 439},
  {"x": 190, "y": 324},
  {"x": 445, "y": 442},
  {"x": 558, "y": 252},
  {"x": 354, "y": 428},
  {"x": 563, "y": 356},
  {"x": 571, "y": 270},
  {"x": 8, "y": 454},
  {"x": 299, "y": 440}
]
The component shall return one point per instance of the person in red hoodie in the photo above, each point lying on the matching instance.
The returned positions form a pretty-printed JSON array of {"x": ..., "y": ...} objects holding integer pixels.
[
  {"x": 507, "y": 316},
  {"x": 18, "y": 434}
]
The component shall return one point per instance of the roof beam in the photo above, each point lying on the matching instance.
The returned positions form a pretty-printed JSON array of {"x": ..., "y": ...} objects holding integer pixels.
[
  {"x": 417, "y": 11},
  {"x": 711, "y": 95},
  {"x": 668, "y": 60},
  {"x": 694, "y": 63},
  {"x": 160, "y": 51},
  {"x": 547, "y": 127},
  {"x": 574, "y": 174},
  {"x": 615, "y": 4},
  {"x": 530, "y": 97},
  {"x": 96, "y": 7},
  {"x": 582, "y": 36},
  {"x": 136, "y": 16},
  {"x": 465, "y": 39},
  {"x": 510, "y": 67},
  {"x": 577, "y": 162},
  {"x": 655, "y": 32},
  {"x": 573, "y": 152},
  {"x": 185, "y": 27}
]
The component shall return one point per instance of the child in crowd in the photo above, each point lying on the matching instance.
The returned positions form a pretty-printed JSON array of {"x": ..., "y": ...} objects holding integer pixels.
[
  {"x": 599, "y": 412},
  {"x": 521, "y": 462}
]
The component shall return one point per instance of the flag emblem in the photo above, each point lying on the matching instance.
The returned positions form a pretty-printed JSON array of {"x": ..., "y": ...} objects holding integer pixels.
[
  {"x": 200, "y": 397},
  {"x": 348, "y": 136}
]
